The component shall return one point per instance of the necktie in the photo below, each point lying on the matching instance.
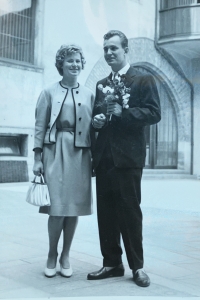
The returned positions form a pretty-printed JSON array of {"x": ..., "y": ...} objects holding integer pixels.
[{"x": 115, "y": 75}]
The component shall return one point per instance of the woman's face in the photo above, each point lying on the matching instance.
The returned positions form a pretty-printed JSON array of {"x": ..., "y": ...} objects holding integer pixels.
[{"x": 72, "y": 65}]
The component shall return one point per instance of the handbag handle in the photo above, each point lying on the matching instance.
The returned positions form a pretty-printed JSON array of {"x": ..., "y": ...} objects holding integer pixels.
[{"x": 41, "y": 179}]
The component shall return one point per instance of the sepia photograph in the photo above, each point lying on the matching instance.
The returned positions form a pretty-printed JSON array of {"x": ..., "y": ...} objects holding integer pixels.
[{"x": 99, "y": 149}]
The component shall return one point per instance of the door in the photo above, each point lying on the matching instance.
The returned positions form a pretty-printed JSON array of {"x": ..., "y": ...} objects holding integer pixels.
[{"x": 161, "y": 138}]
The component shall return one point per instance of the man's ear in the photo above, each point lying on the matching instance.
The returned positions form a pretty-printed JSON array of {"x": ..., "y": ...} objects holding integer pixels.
[{"x": 126, "y": 50}]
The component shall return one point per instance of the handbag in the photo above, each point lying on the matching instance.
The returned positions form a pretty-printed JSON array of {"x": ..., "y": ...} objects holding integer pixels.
[{"x": 38, "y": 193}]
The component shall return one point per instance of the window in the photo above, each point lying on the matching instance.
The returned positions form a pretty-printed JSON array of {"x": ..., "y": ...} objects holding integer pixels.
[
  {"x": 167, "y": 4},
  {"x": 13, "y": 145},
  {"x": 17, "y": 22}
]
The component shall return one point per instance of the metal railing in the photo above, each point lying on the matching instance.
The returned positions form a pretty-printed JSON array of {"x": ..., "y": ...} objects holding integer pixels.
[
  {"x": 17, "y": 35},
  {"x": 167, "y": 4}
]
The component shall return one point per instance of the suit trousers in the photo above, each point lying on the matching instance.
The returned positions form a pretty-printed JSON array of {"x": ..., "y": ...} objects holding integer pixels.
[{"x": 119, "y": 213}]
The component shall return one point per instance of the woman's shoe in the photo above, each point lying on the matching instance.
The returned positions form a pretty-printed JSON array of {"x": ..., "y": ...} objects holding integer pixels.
[
  {"x": 66, "y": 272},
  {"x": 50, "y": 272}
]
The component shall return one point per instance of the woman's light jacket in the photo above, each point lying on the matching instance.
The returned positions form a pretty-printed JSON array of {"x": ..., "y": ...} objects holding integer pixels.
[{"x": 48, "y": 108}]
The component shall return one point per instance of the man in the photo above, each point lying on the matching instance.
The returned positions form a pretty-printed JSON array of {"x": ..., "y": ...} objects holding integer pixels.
[{"x": 119, "y": 158}]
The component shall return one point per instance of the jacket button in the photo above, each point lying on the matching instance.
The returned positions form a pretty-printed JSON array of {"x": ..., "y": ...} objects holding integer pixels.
[
  {"x": 77, "y": 92},
  {"x": 80, "y": 119},
  {"x": 79, "y": 132},
  {"x": 79, "y": 104}
]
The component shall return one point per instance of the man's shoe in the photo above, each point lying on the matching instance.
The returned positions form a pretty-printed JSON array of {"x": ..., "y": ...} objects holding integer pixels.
[
  {"x": 141, "y": 278},
  {"x": 103, "y": 273}
]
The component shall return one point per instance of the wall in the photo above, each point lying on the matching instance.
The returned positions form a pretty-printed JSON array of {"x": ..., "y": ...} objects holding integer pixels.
[
  {"x": 86, "y": 21},
  {"x": 83, "y": 22}
]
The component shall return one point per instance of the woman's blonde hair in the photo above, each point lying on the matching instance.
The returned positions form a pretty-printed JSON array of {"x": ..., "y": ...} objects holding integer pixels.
[{"x": 63, "y": 52}]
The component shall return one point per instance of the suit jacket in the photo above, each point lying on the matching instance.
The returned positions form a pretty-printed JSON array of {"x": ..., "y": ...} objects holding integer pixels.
[
  {"x": 126, "y": 134},
  {"x": 48, "y": 109}
]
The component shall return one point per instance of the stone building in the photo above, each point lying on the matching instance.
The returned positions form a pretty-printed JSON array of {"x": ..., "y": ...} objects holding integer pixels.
[{"x": 164, "y": 40}]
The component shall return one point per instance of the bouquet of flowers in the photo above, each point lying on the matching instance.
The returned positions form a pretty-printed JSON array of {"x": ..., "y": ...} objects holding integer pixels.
[{"x": 116, "y": 91}]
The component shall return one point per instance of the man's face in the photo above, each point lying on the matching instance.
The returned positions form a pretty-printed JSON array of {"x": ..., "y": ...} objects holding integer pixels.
[{"x": 114, "y": 54}]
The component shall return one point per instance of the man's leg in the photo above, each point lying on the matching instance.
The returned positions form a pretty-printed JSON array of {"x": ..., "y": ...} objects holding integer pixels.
[
  {"x": 109, "y": 233},
  {"x": 127, "y": 188}
]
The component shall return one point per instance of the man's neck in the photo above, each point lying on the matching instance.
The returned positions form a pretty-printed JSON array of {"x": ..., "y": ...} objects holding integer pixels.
[{"x": 119, "y": 67}]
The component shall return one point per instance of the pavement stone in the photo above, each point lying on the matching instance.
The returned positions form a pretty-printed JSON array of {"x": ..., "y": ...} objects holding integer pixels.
[{"x": 171, "y": 211}]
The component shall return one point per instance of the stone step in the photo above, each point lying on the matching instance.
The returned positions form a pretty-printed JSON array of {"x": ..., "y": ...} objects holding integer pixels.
[
  {"x": 165, "y": 171},
  {"x": 166, "y": 174}
]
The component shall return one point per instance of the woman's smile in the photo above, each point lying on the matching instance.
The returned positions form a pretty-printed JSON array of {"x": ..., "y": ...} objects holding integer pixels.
[{"x": 72, "y": 65}]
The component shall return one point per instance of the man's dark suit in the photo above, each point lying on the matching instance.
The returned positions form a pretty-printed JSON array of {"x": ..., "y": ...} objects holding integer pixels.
[{"x": 119, "y": 157}]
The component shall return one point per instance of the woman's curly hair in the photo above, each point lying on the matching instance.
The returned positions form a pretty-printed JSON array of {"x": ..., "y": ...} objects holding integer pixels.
[{"x": 63, "y": 52}]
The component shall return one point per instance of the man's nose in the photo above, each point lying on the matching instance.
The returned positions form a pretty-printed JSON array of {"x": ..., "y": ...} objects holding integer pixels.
[{"x": 109, "y": 51}]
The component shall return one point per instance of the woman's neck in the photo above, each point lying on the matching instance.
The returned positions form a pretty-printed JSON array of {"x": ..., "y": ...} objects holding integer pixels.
[{"x": 69, "y": 82}]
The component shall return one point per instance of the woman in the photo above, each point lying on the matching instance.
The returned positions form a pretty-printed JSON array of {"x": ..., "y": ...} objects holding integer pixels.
[{"x": 62, "y": 153}]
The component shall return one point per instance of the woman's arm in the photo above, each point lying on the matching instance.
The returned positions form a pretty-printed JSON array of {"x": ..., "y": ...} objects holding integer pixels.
[
  {"x": 42, "y": 118},
  {"x": 38, "y": 165}
]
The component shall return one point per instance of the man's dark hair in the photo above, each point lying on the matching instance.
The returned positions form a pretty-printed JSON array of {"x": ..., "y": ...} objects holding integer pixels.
[{"x": 111, "y": 33}]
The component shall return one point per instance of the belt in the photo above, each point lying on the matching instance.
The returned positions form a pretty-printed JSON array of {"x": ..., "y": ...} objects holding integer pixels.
[{"x": 67, "y": 129}]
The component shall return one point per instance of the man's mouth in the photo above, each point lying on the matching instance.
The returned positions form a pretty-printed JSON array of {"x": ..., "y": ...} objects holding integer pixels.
[{"x": 110, "y": 58}]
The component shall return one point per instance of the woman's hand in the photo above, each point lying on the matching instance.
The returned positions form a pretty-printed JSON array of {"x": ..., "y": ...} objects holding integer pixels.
[{"x": 38, "y": 168}]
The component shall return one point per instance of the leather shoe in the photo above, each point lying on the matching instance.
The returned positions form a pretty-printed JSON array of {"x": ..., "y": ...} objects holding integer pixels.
[
  {"x": 103, "y": 273},
  {"x": 141, "y": 278}
]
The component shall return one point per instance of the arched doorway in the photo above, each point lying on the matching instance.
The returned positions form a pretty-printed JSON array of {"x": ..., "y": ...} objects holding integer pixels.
[{"x": 162, "y": 138}]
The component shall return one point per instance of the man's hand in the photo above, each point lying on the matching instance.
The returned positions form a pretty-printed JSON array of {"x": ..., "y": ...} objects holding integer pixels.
[
  {"x": 114, "y": 109},
  {"x": 99, "y": 121}
]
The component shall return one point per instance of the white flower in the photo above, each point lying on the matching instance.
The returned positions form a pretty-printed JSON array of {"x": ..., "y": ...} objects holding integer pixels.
[
  {"x": 100, "y": 87},
  {"x": 125, "y": 101},
  {"x": 126, "y": 96},
  {"x": 107, "y": 90}
]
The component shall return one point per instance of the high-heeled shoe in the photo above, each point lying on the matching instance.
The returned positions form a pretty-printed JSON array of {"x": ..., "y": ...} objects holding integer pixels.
[
  {"x": 66, "y": 272},
  {"x": 50, "y": 272}
]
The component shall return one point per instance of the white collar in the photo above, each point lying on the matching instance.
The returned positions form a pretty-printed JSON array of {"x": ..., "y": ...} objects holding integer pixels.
[{"x": 123, "y": 70}]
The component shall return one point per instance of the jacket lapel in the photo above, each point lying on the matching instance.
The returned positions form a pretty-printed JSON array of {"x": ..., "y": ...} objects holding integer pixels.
[{"x": 128, "y": 78}]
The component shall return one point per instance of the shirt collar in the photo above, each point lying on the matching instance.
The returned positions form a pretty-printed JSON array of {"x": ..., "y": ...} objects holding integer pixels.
[{"x": 123, "y": 70}]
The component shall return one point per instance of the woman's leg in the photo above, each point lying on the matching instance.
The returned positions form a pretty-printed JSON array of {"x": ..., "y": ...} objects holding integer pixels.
[
  {"x": 69, "y": 228},
  {"x": 55, "y": 226}
]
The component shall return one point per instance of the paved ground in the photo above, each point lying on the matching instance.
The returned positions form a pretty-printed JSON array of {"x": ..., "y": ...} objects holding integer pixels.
[{"x": 171, "y": 210}]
